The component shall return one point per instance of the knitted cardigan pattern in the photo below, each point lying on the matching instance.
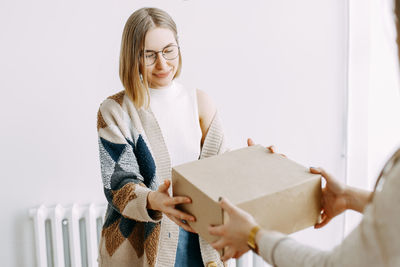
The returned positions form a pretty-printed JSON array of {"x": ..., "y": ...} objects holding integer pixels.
[{"x": 134, "y": 161}]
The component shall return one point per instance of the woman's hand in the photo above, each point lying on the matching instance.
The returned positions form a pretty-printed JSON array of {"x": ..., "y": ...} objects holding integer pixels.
[
  {"x": 161, "y": 200},
  {"x": 338, "y": 197},
  {"x": 234, "y": 234},
  {"x": 334, "y": 198}
]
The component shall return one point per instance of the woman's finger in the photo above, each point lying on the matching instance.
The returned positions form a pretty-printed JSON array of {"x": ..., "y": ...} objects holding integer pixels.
[
  {"x": 180, "y": 215},
  {"x": 323, "y": 216},
  {"x": 250, "y": 142},
  {"x": 228, "y": 254},
  {"x": 321, "y": 171},
  {"x": 177, "y": 200},
  {"x": 239, "y": 254},
  {"x": 216, "y": 230},
  {"x": 315, "y": 170},
  {"x": 323, "y": 200},
  {"x": 321, "y": 224},
  {"x": 164, "y": 186},
  {"x": 227, "y": 205},
  {"x": 271, "y": 149},
  {"x": 220, "y": 243},
  {"x": 190, "y": 229},
  {"x": 324, "y": 221},
  {"x": 185, "y": 226}
]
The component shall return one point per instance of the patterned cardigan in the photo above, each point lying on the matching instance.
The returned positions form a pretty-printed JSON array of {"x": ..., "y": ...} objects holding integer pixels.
[{"x": 134, "y": 160}]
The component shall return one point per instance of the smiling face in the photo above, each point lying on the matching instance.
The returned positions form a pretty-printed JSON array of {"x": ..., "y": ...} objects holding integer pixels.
[{"x": 162, "y": 72}]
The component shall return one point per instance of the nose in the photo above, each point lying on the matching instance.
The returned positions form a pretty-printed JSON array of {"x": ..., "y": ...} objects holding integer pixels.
[{"x": 161, "y": 62}]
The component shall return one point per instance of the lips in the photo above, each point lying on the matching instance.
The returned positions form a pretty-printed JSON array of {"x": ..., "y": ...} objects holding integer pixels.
[{"x": 162, "y": 74}]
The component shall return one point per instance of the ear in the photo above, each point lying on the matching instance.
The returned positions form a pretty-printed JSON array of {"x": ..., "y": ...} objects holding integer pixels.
[
  {"x": 141, "y": 65},
  {"x": 142, "y": 72}
]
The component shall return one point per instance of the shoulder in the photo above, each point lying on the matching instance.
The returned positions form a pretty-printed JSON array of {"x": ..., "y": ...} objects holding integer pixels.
[
  {"x": 207, "y": 110},
  {"x": 118, "y": 97},
  {"x": 113, "y": 101},
  {"x": 206, "y": 106},
  {"x": 112, "y": 109}
]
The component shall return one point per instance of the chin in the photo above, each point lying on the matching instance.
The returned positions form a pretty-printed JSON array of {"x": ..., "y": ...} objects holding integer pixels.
[{"x": 163, "y": 82}]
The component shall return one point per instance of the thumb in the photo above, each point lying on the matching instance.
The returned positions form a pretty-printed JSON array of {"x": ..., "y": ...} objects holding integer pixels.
[
  {"x": 250, "y": 142},
  {"x": 164, "y": 186},
  {"x": 324, "y": 174},
  {"x": 227, "y": 205}
]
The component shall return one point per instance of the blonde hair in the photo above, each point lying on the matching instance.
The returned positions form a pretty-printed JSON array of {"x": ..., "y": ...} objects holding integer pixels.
[{"x": 132, "y": 71}]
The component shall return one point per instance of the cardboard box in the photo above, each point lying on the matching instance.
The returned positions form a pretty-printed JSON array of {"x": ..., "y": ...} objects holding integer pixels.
[{"x": 281, "y": 194}]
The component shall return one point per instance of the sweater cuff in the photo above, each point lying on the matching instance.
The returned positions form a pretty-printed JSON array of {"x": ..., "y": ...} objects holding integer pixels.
[
  {"x": 268, "y": 243},
  {"x": 137, "y": 208}
]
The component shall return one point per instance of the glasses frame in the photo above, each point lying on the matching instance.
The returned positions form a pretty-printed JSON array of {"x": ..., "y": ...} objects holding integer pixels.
[{"x": 156, "y": 54}]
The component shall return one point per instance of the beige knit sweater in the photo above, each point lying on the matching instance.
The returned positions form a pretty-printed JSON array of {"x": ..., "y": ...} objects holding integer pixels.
[
  {"x": 375, "y": 242},
  {"x": 134, "y": 160}
]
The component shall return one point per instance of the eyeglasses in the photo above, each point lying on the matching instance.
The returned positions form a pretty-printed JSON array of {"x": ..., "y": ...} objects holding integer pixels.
[{"x": 169, "y": 52}]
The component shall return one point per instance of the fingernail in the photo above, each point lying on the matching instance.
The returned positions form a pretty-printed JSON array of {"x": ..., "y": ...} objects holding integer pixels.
[{"x": 219, "y": 199}]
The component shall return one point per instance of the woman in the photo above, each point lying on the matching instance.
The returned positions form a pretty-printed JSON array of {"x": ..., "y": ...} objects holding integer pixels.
[
  {"x": 155, "y": 123},
  {"x": 375, "y": 242}
]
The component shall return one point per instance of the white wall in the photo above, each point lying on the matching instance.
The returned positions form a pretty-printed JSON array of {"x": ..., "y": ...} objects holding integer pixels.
[
  {"x": 384, "y": 92},
  {"x": 277, "y": 70},
  {"x": 357, "y": 101}
]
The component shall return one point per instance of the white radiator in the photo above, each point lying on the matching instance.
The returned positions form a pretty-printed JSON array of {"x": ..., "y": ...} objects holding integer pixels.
[{"x": 69, "y": 237}]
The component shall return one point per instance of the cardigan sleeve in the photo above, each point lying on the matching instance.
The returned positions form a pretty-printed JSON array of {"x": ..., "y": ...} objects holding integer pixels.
[
  {"x": 214, "y": 143},
  {"x": 127, "y": 166},
  {"x": 374, "y": 242}
]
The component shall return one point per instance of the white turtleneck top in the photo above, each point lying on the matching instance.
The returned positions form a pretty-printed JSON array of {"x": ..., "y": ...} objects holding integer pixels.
[{"x": 176, "y": 111}]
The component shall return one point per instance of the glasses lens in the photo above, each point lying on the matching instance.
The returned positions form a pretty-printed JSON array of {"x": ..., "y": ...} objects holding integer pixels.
[
  {"x": 149, "y": 58},
  {"x": 170, "y": 52}
]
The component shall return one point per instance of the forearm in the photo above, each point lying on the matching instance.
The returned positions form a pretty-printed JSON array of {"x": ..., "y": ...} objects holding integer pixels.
[
  {"x": 130, "y": 202},
  {"x": 280, "y": 250},
  {"x": 124, "y": 157},
  {"x": 267, "y": 242},
  {"x": 357, "y": 198}
]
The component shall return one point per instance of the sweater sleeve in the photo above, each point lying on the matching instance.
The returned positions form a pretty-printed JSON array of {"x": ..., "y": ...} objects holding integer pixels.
[
  {"x": 127, "y": 166},
  {"x": 214, "y": 143},
  {"x": 374, "y": 242}
]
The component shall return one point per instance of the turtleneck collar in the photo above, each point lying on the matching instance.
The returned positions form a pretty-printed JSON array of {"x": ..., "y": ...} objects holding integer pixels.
[{"x": 168, "y": 91}]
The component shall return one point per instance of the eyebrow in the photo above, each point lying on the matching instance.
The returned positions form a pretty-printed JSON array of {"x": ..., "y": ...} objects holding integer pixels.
[{"x": 168, "y": 45}]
